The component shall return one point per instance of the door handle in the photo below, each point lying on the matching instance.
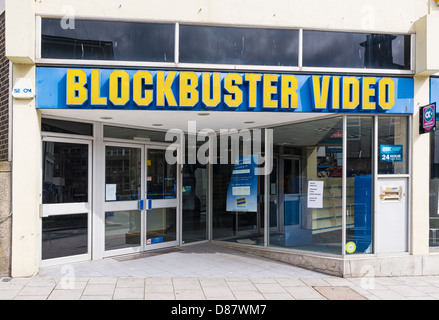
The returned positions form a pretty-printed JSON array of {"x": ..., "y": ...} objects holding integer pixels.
[{"x": 145, "y": 204}]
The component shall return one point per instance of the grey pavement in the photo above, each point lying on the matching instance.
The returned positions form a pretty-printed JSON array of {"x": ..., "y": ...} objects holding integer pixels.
[{"x": 206, "y": 272}]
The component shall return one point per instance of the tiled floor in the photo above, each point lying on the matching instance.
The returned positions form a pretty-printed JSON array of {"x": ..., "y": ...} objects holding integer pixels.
[{"x": 205, "y": 272}]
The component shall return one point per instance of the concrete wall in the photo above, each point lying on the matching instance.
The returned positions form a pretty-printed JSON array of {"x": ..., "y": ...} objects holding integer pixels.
[
  {"x": 389, "y": 15},
  {"x": 5, "y": 218}
]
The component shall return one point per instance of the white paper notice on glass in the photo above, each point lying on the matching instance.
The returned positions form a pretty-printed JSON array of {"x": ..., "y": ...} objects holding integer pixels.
[
  {"x": 315, "y": 194},
  {"x": 110, "y": 192}
]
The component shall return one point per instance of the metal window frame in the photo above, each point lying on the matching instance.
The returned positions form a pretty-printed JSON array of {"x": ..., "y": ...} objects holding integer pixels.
[{"x": 211, "y": 66}]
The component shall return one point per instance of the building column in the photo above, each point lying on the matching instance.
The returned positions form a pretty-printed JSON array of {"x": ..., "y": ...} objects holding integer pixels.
[
  {"x": 26, "y": 183},
  {"x": 420, "y": 172}
]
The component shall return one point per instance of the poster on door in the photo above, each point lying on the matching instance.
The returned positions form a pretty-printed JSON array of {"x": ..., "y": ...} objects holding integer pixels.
[{"x": 242, "y": 193}]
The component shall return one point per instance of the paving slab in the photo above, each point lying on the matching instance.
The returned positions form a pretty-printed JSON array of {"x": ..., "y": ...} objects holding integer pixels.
[{"x": 339, "y": 293}]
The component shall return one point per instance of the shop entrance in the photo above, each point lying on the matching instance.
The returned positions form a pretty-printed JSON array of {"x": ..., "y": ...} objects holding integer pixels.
[{"x": 141, "y": 198}]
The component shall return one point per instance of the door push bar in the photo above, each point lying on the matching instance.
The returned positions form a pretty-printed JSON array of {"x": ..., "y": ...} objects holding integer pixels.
[{"x": 145, "y": 204}]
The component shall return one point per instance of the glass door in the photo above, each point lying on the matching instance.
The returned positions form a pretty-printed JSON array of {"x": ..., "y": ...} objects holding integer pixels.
[
  {"x": 141, "y": 199},
  {"x": 123, "y": 190},
  {"x": 162, "y": 185}
]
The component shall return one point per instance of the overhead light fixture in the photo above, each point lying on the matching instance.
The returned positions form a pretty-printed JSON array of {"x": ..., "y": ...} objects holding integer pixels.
[
  {"x": 157, "y": 125},
  {"x": 248, "y": 122},
  {"x": 204, "y": 114},
  {"x": 106, "y": 118}
]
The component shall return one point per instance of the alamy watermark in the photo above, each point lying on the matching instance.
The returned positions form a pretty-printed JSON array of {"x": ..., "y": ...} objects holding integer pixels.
[{"x": 230, "y": 143}]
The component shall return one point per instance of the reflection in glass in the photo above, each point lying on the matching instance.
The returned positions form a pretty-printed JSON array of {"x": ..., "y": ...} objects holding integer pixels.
[
  {"x": 122, "y": 173},
  {"x": 392, "y": 133},
  {"x": 161, "y": 176},
  {"x": 356, "y": 50},
  {"x": 231, "y": 45},
  {"x": 134, "y": 134},
  {"x": 304, "y": 153},
  {"x": 122, "y": 229},
  {"x": 69, "y": 127},
  {"x": 64, "y": 235},
  {"x": 65, "y": 172},
  {"x": 107, "y": 40},
  {"x": 161, "y": 225},
  {"x": 359, "y": 184}
]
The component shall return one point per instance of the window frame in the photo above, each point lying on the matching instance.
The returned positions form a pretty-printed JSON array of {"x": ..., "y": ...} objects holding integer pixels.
[{"x": 212, "y": 66}]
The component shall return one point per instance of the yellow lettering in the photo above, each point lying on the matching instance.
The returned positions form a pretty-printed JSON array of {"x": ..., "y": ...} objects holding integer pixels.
[
  {"x": 119, "y": 87},
  {"x": 351, "y": 93},
  {"x": 188, "y": 89},
  {"x": 320, "y": 94},
  {"x": 289, "y": 85},
  {"x": 253, "y": 80},
  {"x": 231, "y": 82},
  {"x": 270, "y": 90},
  {"x": 216, "y": 88},
  {"x": 75, "y": 82},
  {"x": 96, "y": 98},
  {"x": 386, "y": 91},
  {"x": 163, "y": 89},
  {"x": 367, "y": 93},
  {"x": 140, "y": 78},
  {"x": 335, "y": 92}
]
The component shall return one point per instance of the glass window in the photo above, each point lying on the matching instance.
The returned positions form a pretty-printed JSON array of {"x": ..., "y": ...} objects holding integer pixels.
[
  {"x": 161, "y": 176},
  {"x": 238, "y": 196},
  {"x": 359, "y": 185},
  {"x": 231, "y": 45},
  {"x": 64, "y": 235},
  {"x": 122, "y": 173},
  {"x": 122, "y": 229},
  {"x": 107, "y": 40},
  {"x": 69, "y": 127},
  {"x": 65, "y": 172},
  {"x": 392, "y": 145},
  {"x": 356, "y": 50},
  {"x": 306, "y": 186},
  {"x": 134, "y": 134}
]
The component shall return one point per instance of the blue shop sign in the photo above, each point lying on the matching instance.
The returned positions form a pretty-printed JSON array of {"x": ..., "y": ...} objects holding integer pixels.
[
  {"x": 114, "y": 89},
  {"x": 391, "y": 153}
]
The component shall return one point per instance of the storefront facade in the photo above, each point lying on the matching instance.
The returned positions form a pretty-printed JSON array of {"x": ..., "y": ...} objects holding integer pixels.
[{"x": 292, "y": 140}]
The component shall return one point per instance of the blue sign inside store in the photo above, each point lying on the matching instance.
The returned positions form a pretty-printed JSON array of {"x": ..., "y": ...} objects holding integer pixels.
[
  {"x": 391, "y": 153},
  {"x": 242, "y": 193},
  {"x": 115, "y": 89}
]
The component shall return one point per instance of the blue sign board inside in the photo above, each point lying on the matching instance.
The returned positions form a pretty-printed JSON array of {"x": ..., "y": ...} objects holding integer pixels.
[
  {"x": 242, "y": 193},
  {"x": 391, "y": 153}
]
